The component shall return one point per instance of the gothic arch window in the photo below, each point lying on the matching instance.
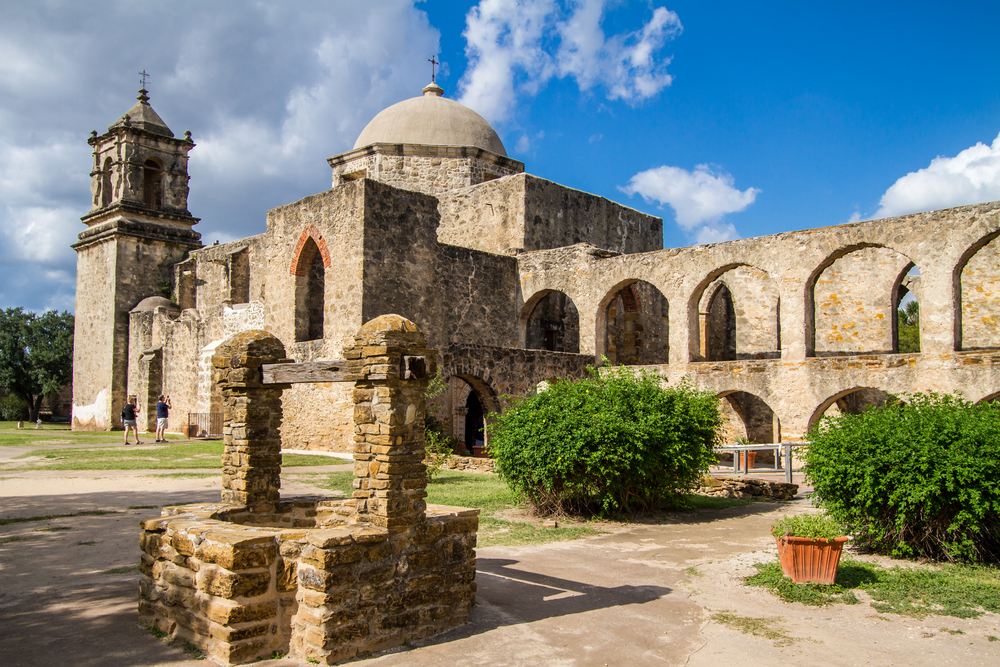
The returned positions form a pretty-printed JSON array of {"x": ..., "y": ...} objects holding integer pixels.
[
  {"x": 309, "y": 266},
  {"x": 152, "y": 185},
  {"x": 106, "y": 186}
]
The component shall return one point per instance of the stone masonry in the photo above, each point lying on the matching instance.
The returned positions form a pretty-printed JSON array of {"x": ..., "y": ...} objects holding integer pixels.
[{"x": 319, "y": 579}]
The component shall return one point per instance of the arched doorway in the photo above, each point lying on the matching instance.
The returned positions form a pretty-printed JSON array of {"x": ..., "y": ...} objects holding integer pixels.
[{"x": 850, "y": 402}]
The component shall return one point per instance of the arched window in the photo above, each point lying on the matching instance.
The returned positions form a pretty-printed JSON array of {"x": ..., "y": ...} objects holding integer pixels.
[
  {"x": 107, "y": 191},
  {"x": 554, "y": 324},
  {"x": 310, "y": 292},
  {"x": 635, "y": 326},
  {"x": 720, "y": 327},
  {"x": 152, "y": 185}
]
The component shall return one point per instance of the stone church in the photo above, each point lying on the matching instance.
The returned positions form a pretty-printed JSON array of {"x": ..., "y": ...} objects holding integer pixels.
[{"x": 516, "y": 281}]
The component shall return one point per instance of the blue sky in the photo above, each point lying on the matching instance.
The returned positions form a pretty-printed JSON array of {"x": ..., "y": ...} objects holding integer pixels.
[{"x": 727, "y": 119}]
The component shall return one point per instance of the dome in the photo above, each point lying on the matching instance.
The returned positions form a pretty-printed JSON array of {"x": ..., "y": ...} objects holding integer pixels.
[{"x": 431, "y": 120}]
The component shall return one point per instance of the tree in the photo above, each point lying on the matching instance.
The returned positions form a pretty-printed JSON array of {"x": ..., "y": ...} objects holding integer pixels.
[
  {"x": 36, "y": 355},
  {"x": 908, "y": 327}
]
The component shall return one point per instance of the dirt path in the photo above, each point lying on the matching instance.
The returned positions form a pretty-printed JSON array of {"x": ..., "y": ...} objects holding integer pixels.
[{"x": 67, "y": 592}]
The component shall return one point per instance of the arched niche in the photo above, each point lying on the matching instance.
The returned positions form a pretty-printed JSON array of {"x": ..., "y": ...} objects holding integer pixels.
[
  {"x": 736, "y": 315},
  {"x": 978, "y": 292},
  {"x": 747, "y": 416},
  {"x": 152, "y": 184},
  {"x": 550, "y": 321},
  {"x": 851, "y": 401},
  {"x": 632, "y": 325},
  {"x": 852, "y": 300},
  {"x": 107, "y": 189}
]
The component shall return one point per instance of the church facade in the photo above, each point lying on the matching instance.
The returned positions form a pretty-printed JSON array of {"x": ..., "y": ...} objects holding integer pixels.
[{"x": 516, "y": 281}]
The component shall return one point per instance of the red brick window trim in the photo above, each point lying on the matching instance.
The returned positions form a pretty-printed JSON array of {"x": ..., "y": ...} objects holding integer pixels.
[{"x": 300, "y": 264}]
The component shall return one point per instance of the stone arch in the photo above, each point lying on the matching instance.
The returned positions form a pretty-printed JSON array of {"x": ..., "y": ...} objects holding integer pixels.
[
  {"x": 632, "y": 324},
  {"x": 152, "y": 184},
  {"x": 860, "y": 399},
  {"x": 747, "y": 305},
  {"x": 976, "y": 287},
  {"x": 990, "y": 398},
  {"x": 550, "y": 320},
  {"x": 472, "y": 399},
  {"x": 300, "y": 263},
  {"x": 746, "y": 415},
  {"x": 908, "y": 284},
  {"x": 310, "y": 291},
  {"x": 854, "y": 312}
]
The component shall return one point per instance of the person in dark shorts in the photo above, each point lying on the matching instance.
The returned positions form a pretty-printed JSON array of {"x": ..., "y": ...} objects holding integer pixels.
[
  {"x": 162, "y": 411},
  {"x": 130, "y": 413}
]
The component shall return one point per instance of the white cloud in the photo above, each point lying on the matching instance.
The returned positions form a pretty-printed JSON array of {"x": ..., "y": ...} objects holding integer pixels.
[
  {"x": 269, "y": 90},
  {"x": 515, "y": 47},
  {"x": 971, "y": 177},
  {"x": 699, "y": 198}
]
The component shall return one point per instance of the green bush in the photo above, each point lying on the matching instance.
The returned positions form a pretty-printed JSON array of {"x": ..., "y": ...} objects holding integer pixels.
[
  {"x": 13, "y": 408},
  {"x": 615, "y": 441},
  {"x": 913, "y": 479}
]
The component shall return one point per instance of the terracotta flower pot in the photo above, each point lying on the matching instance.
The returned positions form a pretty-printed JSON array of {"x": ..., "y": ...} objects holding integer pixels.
[
  {"x": 745, "y": 455},
  {"x": 810, "y": 560}
]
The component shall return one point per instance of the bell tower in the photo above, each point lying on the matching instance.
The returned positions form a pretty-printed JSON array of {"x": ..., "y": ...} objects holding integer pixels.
[{"x": 138, "y": 227}]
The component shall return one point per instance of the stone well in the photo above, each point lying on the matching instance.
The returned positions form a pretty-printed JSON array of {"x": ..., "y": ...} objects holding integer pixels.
[{"x": 312, "y": 577}]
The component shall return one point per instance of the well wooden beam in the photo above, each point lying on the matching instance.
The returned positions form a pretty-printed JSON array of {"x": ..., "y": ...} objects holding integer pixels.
[{"x": 334, "y": 370}]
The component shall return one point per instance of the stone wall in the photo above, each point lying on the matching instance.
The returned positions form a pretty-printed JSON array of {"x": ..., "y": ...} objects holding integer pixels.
[
  {"x": 524, "y": 213},
  {"x": 980, "y": 314},
  {"x": 780, "y": 284},
  {"x": 428, "y": 169}
]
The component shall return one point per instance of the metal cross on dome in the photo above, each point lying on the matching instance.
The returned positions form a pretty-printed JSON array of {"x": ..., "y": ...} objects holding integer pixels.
[
  {"x": 144, "y": 77},
  {"x": 433, "y": 61}
]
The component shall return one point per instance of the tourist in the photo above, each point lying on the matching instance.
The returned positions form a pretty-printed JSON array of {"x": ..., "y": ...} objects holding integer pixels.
[
  {"x": 129, "y": 415},
  {"x": 162, "y": 410}
]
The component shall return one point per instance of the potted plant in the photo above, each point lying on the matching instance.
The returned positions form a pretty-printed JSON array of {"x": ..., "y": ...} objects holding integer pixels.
[
  {"x": 747, "y": 454},
  {"x": 809, "y": 547}
]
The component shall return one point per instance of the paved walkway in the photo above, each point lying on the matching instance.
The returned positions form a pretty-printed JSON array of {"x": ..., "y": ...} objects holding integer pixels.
[{"x": 643, "y": 595}]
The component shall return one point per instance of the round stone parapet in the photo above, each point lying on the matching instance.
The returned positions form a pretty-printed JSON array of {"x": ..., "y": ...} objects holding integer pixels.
[
  {"x": 390, "y": 330},
  {"x": 249, "y": 349}
]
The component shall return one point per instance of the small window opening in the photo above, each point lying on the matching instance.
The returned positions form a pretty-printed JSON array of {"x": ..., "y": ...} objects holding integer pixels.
[
  {"x": 106, "y": 187},
  {"x": 310, "y": 294},
  {"x": 152, "y": 185},
  {"x": 354, "y": 175}
]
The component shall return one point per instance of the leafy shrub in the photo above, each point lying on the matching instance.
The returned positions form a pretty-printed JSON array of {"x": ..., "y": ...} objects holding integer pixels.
[
  {"x": 816, "y": 526},
  {"x": 615, "y": 441},
  {"x": 915, "y": 479},
  {"x": 13, "y": 408}
]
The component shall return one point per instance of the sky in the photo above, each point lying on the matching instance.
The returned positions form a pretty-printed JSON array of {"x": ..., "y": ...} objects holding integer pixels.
[{"x": 726, "y": 119}]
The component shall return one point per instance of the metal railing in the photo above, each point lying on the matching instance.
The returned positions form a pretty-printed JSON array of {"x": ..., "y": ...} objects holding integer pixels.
[
  {"x": 204, "y": 425},
  {"x": 782, "y": 450}
]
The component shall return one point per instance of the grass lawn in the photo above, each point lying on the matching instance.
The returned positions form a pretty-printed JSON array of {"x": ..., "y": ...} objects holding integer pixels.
[
  {"x": 489, "y": 493},
  {"x": 60, "y": 434},
  {"x": 962, "y": 591},
  {"x": 169, "y": 456}
]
